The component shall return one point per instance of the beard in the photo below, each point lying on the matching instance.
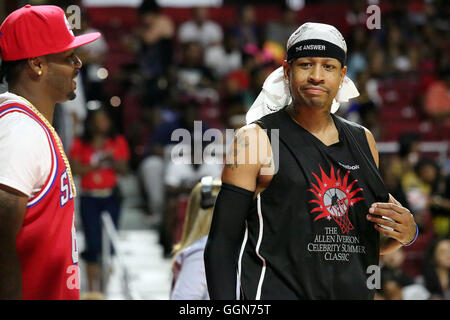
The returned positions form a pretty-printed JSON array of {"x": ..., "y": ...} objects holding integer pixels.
[
  {"x": 62, "y": 87},
  {"x": 71, "y": 96}
]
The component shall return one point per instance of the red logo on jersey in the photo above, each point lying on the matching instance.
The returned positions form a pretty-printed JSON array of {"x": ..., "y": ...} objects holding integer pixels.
[{"x": 334, "y": 197}]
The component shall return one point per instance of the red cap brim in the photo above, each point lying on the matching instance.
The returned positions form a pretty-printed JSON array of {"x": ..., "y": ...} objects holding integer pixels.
[{"x": 82, "y": 40}]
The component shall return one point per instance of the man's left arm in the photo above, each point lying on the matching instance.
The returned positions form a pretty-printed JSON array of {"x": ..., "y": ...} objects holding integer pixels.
[{"x": 403, "y": 224}]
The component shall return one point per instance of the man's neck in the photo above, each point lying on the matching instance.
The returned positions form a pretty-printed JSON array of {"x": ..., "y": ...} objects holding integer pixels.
[
  {"x": 315, "y": 120},
  {"x": 43, "y": 104}
]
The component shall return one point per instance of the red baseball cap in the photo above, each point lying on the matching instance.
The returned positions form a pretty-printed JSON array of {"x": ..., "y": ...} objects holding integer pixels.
[{"x": 34, "y": 31}]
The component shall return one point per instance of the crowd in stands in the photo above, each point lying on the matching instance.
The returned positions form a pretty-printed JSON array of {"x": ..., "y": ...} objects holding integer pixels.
[{"x": 159, "y": 69}]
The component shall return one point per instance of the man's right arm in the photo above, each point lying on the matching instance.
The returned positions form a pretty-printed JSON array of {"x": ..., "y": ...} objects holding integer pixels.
[
  {"x": 239, "y": 182},
  {"x": 13, "y": 206}
]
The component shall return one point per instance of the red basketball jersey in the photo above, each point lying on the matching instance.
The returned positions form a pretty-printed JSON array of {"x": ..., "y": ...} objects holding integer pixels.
[{"x": 46, "y": 243}]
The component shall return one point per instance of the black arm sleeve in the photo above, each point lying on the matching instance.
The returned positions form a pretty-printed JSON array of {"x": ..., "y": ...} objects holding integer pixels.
[{"x": 225, "y": 240}]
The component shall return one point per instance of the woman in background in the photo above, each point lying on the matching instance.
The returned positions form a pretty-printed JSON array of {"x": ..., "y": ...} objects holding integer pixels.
[
  {"x": 437, "y": 269},
  {"x": 98, "y": 157},
  {"x": 189, "y": 279}
]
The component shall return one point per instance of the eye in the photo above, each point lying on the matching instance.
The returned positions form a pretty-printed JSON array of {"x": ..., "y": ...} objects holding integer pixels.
[
  {"x": 329, "y": 67},
  {"x": 305, "y": 65}
]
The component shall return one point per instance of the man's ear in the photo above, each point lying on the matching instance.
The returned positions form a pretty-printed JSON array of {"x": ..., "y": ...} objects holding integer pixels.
[
  {"x": 286, "y": 70},
  {"x": 37, "y": 66},
  {"x": 343, "y": 73}
]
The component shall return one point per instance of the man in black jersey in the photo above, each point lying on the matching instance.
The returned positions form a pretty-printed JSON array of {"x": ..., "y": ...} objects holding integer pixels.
[{"x": 304, "y": 220}]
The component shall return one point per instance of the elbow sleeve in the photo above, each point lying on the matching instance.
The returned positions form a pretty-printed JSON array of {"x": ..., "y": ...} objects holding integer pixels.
[{"x": 225, "y": 240}]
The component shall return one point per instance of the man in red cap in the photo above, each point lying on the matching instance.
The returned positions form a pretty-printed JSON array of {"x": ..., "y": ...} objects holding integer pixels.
[{"x": 38, "y": 250}]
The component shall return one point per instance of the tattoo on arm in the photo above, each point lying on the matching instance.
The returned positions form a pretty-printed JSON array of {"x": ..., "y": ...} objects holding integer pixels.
[{"x": 240, "y": 144}]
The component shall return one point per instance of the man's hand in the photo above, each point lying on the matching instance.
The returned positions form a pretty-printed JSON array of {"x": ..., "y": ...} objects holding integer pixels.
[{"x": 403, "y": 224}]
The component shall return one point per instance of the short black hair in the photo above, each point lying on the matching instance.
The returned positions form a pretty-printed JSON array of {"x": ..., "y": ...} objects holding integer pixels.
[
  {"x": 10, "y": 70},
  {"x": 148, "y": 6}
]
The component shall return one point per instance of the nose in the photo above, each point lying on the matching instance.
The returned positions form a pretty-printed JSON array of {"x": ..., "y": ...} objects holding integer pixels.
[{"x": 316, "y": 75}]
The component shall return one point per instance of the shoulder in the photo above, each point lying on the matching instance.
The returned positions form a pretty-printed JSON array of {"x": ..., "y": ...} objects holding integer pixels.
[
  {"x": 22, "y": 128},
  {"x": 350, "y": 124},
  {"x": 356, "y": 127},
  {"x": 363, "y": 135},
  {"x": 251, "y": 136},
  {"x": 194, "y": 250},
  {"x": 272, "y": 120}
]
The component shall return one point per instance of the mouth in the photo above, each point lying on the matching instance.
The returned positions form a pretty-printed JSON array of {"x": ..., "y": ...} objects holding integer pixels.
[{"x": 314, "y": 90}]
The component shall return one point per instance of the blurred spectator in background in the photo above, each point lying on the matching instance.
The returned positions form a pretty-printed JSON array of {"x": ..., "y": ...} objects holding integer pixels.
[
  {"x": 200, "y": 29},
  {"x": 440, "y": 204},
  {"x": 94, "y": 57},
  {"x": 72, "y": 114},
  {"x": 392, "y": 181},
  {"x": 246, "y": 31},
  {"x": 356, "y": 15},
  {"x": 397, "y": 285},
  {"x": 437, "y": 97},
  {"x": 98, "y": 157},
  {"x": 357, "y": 60},
  {"x": 192, "y": 74},
  {"x": 408, "y": 153},
  {"x": 181, "y": 175},
  {"x": 156, "y": 33},
  {"x": 392, "y": 263},
  {"x": 279, "y": 31},
  {"x": 222, "y": 59},
  {"x": 437, "y": 269},
  {"x": 391, "y": 288},
  {"x": 362, "y": 109},
  {"x": 188, "y": 268},
  {"x": 152, "y": 168},
  {"x": 419, "y": 185}
]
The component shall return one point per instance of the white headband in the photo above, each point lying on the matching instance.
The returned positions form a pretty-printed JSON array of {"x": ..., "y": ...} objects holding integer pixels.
[{"x": 275, "y": 92}]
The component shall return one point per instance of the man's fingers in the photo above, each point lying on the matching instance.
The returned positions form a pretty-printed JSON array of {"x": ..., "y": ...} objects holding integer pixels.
[
  {"x": 377, "y": 211},
  {"x": 390, "y": 206},
  {"x": 389, "y": 233},
  {"x": 393, "y": 200},
  {"x": 385, "y": 222}
]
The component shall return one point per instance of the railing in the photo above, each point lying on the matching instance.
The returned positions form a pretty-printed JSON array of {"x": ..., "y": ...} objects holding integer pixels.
[{"x": 110, "y": 240}]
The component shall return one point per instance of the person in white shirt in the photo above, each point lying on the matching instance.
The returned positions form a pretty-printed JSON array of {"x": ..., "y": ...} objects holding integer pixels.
[
  {"x": 189, "y": 279},
  {"x": 222, "y": 59},
  {"x": 200, "y": 29}
]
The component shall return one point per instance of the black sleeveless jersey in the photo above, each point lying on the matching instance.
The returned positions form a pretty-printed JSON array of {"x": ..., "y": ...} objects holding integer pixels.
[{"x": 307, "y": 235}]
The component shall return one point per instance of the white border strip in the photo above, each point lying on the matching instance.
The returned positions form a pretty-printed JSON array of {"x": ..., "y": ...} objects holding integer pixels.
[
  {"x": 258, "y": 244},
  {"x": 244, "y": 243}
]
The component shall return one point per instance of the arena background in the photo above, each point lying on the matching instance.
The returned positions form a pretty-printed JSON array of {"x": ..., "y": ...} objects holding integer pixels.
[{"x": 154, "y": 81}]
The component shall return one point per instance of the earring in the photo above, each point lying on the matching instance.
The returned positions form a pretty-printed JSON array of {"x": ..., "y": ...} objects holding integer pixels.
[{"x": 40, "y": 72}]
